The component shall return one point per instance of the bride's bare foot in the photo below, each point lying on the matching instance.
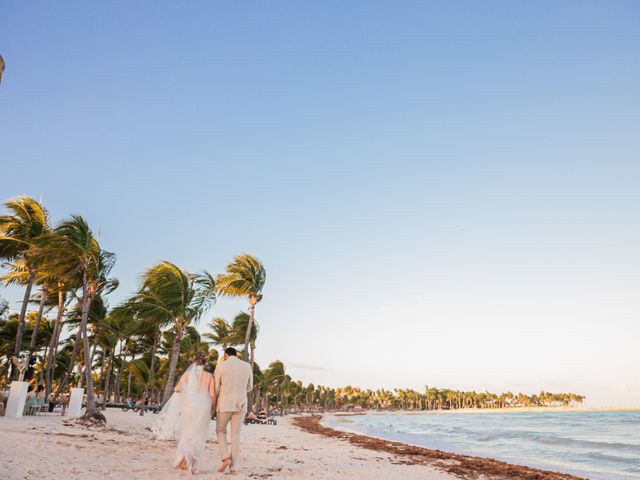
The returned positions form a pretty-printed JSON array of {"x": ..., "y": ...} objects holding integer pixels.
[
  {"x": 225, "y": 463},
  {"x": 183, "y": 464}
]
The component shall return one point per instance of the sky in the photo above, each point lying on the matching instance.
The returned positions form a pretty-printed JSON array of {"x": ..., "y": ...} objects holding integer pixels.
[{"x": 442, "y": 193}]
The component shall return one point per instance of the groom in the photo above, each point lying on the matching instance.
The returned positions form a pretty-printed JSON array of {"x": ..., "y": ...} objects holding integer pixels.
[{"x": 233, "y": 381}]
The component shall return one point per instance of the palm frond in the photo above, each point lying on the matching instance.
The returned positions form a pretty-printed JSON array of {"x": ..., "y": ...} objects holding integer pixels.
[
  {"x": 239, "y": 329},
  {"x": 244, "y": 276}
]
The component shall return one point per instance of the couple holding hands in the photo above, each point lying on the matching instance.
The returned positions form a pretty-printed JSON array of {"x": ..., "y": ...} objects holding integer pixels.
[{"x": 198, "y": 396}]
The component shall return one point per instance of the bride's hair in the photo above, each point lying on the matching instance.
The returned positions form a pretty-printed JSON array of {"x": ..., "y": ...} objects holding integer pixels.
[{"x": 201, "y": 358}]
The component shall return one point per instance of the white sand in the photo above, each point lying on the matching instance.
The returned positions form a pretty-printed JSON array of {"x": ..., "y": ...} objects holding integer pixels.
[{"x": 44, "y": 448}]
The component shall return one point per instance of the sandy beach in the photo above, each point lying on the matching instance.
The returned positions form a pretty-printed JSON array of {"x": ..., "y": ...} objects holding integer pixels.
[{"x": 57, "y": 448}]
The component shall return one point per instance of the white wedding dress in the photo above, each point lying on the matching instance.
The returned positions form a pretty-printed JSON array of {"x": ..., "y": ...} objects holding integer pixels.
[{"x": 186, "y": 417}]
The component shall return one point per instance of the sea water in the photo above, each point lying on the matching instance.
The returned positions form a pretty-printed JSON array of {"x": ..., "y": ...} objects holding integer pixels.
[{"x": 599, "y": 445}]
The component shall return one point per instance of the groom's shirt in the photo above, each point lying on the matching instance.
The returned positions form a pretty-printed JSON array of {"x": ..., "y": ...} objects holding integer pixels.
[{"x": 233, "y": 380}]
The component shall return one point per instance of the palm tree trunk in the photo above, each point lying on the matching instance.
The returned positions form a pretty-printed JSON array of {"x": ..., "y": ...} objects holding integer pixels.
[
  {"x": 257, "y": 396},
  {"x": 34, "y": 334},
  {"x": 23, "y": 313},
  {"x": 103, "y": 368},
  {"x": 112, "y": 374},
  {"x": 86, "y": 303},
  {"x": 173, "y": 361},
  {"x": 53, "y": 346},
  {"x": 129, "y": 384},
  {"x": 107, "y": 379},
  {"x": 46, "y": 351},
  {"x": 72, "y": 364},
  {"x": 247, "y": 335},
  {"x": 250, "y": 394},
  {"x": 121, "y": 370},
  {"x": 80, "y": 369},
  {"x": 57, "y": 328},
  {"x": 152, "y": 373},
  {"x": 247, "y": 338}
]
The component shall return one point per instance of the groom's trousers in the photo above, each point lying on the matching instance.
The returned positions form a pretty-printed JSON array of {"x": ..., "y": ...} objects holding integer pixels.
[{"x": 222, "y": 420}]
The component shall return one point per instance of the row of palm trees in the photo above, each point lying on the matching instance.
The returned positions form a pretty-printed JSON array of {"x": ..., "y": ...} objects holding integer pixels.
[
  {"x": 138, "y": 348},
  {"x": 274, "y": 388},
  {"x": 430, "y": 399},
  {"x": 70, "y": 273},
  {"x": 279, "y": 391}
]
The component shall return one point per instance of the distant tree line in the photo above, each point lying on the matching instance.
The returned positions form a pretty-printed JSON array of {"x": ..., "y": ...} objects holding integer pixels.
[{"x": 300, "y": 396}]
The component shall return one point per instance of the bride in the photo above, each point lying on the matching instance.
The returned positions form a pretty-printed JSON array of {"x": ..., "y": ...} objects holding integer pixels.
[{"x": 187, "y": 415}]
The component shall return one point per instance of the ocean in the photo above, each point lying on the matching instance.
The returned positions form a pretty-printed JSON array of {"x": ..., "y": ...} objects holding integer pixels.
[{"x": 599, "y": 445}]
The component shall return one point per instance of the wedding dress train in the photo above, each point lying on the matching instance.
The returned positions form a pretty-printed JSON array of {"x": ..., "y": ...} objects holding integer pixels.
[{"x": 186, "y": 417}]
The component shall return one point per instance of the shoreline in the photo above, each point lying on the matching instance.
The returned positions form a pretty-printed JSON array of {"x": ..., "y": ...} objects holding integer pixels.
[
  {"x": 458, "y": 465},
  {"x": 484, "y": 410}
]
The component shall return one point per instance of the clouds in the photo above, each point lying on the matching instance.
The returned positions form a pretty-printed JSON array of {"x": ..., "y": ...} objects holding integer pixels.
[{"x": 302, "y": 366}]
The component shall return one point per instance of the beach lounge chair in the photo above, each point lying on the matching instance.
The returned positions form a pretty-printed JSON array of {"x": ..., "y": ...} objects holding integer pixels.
[
  {"x": 32, "y": 406},
  {"x": 260, "y": 419}
]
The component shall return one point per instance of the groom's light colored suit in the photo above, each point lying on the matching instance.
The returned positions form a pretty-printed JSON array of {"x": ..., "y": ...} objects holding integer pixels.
[{"x": 233, "y": 381}]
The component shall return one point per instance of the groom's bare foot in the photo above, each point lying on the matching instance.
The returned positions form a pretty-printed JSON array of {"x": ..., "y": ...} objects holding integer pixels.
[{"x": 223, "y": 466}]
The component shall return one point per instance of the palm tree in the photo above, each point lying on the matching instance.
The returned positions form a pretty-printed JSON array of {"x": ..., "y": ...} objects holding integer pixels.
[
  {"x": 150, "y": 330},
  {"x": 244, "y": 277},
  {"x": 97, "y": 313},
  {"x": 175, "y": 297},
  {"x": 43, "y": 298},
  {"x": 55, "y": 336},
  {"x": 73, "y": 251},
  {"x": 19, "y": 232},
  {"x": 49, "y": 290},
  {"x": 107, "y": 338},
  {"x": 238, "y": 333},
  {"x": 4, "y": 308},
  {"x": 123, "y": 327},
  {"x": 147, "y": 331},
  {"x": 275, "y": 376},
  {"x": 221, "y": 332}
]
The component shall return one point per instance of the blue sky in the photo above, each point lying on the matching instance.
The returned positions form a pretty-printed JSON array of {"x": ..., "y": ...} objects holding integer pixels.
[{"x": 443, "y": 193}]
